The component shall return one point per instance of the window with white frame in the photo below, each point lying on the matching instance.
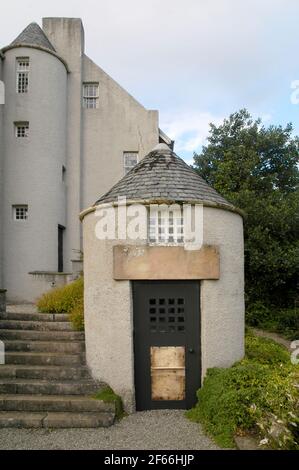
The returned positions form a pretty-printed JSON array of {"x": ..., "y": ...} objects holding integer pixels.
[
  {"x": 22, "y": 74},
  {"x": 166, "y": 226},
  {"x": 20, "y": 212},
  {"x": 22, "y": 129},
  {"x": 90, "y": 95},
  {"x": 130, "y": 160}
]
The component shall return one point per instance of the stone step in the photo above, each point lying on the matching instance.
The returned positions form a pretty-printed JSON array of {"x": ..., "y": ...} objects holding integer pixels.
[
  {"x": 32, "y": 386},
  {"x": 35, "y": 325},
  {"x": 55, "y": 403},
  {"x": 51, "y": 359},
  {"x": 47, "y": 317},
  {"x": 43, "y": 373},
  {"x": 45, "y": 346},
  {"x": 35, "y": 335},
  {"x": 19, "y": 419}
]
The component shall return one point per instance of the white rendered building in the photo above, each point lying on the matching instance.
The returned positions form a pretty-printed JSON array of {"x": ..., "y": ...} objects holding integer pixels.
[{"x": 67, "y": 132}]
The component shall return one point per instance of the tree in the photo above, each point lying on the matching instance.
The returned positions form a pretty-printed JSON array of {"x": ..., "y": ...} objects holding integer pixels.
[{"x": 256, "y": 168}]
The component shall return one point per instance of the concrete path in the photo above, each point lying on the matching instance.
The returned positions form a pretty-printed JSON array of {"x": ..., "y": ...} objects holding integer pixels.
[
  {"x": 276, "y": 337},
  {"x": 150, "y": 430}
]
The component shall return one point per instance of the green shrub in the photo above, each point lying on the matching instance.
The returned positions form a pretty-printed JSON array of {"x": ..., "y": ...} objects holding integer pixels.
[
  {"x": 76, "y": 315},
  {"x": 258, "y": 393},
  {"x": 107, "y": 395},
  {"x": 66, "y": 299},
  {"x": 265, "y": 351},
  {"x": 257, "y": 314},
  {"x": 281, "y": 320}
]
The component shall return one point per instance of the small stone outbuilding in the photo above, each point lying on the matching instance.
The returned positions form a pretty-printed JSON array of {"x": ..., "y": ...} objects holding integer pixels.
[{"x": 164, "y": 291}]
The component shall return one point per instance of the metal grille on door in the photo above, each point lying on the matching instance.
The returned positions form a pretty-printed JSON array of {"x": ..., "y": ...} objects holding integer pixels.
[{"x": 167, "y": 315}]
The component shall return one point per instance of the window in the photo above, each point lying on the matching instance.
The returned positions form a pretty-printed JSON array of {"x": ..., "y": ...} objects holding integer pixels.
[
  {"x": 166, "y": 226},
  {"x": 90, "y": 95},
  {"x": 22, "y": 129},
  {"x": 130, "y": 160},
  {"x": 20, "y": 212},
  {"x": 63, "y": 172},
  {"x": 22, "y": 74}
]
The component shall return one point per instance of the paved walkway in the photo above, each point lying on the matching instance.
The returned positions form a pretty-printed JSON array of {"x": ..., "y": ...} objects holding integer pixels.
[
  {"x": 276, "y": 337},
  {"x": 150, "y": 430}
]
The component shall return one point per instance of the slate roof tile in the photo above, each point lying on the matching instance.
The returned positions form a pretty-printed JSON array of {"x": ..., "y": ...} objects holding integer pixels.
[{"x": 163, "y": 175}]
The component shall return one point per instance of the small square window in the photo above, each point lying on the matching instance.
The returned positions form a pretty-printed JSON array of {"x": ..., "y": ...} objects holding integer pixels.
[
  {"x": 130, "y": 160},
  {"x": 90, "y": 95},
  {"x": 22, "y": 129},
  {"x": 164, "y": 227},
  {"x": 20, "y": 212}
]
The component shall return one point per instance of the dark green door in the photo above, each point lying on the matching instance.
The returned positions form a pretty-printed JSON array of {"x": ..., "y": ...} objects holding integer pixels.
[{"x": 166, "y": 343}]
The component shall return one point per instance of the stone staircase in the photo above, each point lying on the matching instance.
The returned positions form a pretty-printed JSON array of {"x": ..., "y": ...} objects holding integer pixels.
[{"x": 45, "y": 382}]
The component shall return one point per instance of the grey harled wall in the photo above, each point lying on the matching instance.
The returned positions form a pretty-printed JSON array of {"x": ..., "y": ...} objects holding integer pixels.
[
  {"x": 119, "y": 124},
  {"x": 67, "y": 36},
  {"x": 90, "y": 143},
  {"x": 32, "y": 169},
  {"x": 109, "y": 314}
]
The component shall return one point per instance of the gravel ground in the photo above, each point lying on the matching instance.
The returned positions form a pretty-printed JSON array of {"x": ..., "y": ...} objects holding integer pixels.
[{"x": 149, "y": 430}]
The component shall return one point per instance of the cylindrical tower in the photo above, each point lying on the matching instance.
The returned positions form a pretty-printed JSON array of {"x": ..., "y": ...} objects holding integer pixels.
[
  {"x": 160, "y": 308},
  {"x": 34, "y": 160}
]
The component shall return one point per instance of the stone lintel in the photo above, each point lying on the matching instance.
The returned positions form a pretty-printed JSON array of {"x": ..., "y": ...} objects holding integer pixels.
[{"x": 165, "y": 262}]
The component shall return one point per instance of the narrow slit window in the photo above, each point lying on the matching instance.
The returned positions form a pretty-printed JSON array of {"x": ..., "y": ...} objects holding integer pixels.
[
  {"x": 22, "y": 77},
  {"x": 22, "y": 129},
  {"x": 90, "y": 95}
]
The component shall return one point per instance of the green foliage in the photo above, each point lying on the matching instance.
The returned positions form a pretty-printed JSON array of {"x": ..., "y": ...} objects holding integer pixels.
[
  {"x": 256, "y": 394},
  {"x": 281, "y": 320},
  {"x": 66, "y": 299},
  {"x": 107, "y": 395},
  {"x": 76, "y": 315},
  {"x": 256, "y": 168},
  {"x": 265, "y": 351}
]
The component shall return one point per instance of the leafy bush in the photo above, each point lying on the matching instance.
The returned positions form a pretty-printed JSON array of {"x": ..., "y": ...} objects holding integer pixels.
[
  {"x": 280, "y": 320},
  {"x": 265, "y": 351},
  {"x": 66, "y": 299},
  {"x": 76, "y": 315},
  {"x": 258, "y": 393}
]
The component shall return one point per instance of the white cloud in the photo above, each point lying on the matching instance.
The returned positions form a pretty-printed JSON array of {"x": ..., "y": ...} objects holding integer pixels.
[{"x": 188, "y": 128}]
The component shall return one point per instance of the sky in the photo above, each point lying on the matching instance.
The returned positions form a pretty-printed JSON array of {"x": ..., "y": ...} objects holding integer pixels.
[{"x": 196, "y": 61}]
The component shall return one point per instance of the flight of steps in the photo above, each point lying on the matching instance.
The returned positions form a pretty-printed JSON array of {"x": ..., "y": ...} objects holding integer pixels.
[{"x": 44, "y": 382}]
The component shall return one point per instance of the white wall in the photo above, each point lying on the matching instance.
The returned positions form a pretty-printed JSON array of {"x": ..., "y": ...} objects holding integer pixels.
[
  {"x": 109, "y": 311},
  {"x": 108, "y": 317},
  {"x": 222, "y": 301},
  {"x": 89, "y": 143},
  {"x": 119, "y": 124},
  {"x": 33, "y": 169}
]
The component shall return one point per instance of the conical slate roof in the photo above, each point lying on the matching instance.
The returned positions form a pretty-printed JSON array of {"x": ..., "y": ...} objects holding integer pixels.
[
  {"x": 162, "y": 175},
  {"x": 33, "y": 35}
]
